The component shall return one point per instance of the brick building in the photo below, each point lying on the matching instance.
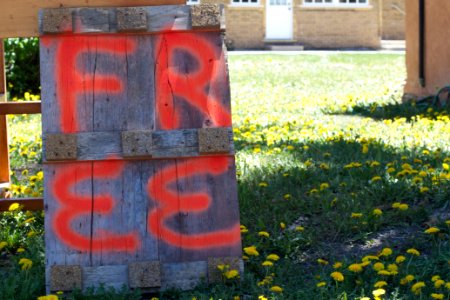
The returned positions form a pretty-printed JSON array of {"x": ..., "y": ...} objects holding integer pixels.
[{"x": 311, "y": 23}]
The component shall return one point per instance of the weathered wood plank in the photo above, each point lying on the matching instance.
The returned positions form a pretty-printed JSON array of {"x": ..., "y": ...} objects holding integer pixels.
[
  {"x": 19, "y": 18},
  {"x": 68, "y": 205},
  {"x": 165, "y": 144},
  {"x": 146, "y": 19},
  {"x": 192, "y": 84},
  {"x": 4, "y": 153},
  {"x": 183, "y": 276},
  {"x": 196, "y": 213},
  {"x": 18, "y": 108}
]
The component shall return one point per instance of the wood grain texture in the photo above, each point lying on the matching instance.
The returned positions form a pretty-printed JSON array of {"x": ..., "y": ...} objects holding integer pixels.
[
  {"x": 106, "y": 211},
  {"x": 115, "y": 276},
  {"x": 18, "y": 108},
  {"x": 165, "y": 144},
  {"x": 4, "y": 153},
  {"x": 19, "y": 18}
]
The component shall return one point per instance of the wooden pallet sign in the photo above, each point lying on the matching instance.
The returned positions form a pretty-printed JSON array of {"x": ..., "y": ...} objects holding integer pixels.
[{"x": 140, "y": 186}]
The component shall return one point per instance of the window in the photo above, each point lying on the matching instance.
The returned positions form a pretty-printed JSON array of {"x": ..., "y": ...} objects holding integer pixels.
[
  {"x": 245, "y": 2},
  {"x": 331, "y": 3},
  {"x": 192, "y": 2}
]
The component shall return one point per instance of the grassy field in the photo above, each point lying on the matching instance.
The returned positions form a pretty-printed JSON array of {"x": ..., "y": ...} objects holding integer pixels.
[{"x": 344, "y": 191}]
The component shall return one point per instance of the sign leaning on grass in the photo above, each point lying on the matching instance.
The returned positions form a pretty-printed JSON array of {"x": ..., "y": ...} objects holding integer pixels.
[{"x": 140, "y": 185}]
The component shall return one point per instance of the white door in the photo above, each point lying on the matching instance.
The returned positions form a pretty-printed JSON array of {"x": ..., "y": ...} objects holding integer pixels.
[{"x": 279, "y": 24}]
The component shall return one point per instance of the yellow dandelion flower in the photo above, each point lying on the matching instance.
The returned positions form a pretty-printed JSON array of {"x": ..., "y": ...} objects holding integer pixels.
[
  {"x": 432, "y": 230},
  {"x": 3, "y": 245},
  {"x": 356, "y": 215},
  {"x": 424, "y": 189},
  {"x": 392, "y": 267},
  {"x": 321, "y": 284},
  {"x": 324, "y": 186},
  {"x": 26, "y": 263},
  {"x": 377, "y": 212},
  {"x": 276, "y": 289},
  {"x": 403, "y": 206},
  {"x": 376, "y": 178},
  {"x": 378, "y": 292},
  {"x": 263, "y": 184},
  {"x": 423, "y": 174},
  {"x": 407, "y": 279},
  {"x": 263, "y": 234},
  {"x": 251, "y": 250},
  {"x": 399, "y": 259},
  {"x": 380, "y": 284},
  {"x": 417, "y": 287},
  {"x": 365, "y": 149},
  {"x": 370, "y": 257},
  {"x": 396, "y": 205},
  {"x": 221, "y": 267},
  {"x": 447, "y": 285},
  {"x": 273, "y": 257},
  {"x": 261, "y": 297},
  {"x": 230, "y": 274},
  {"x": 299, "y": 228},
  {"x": 435, "y": 277},
  {"x": 338, "y": 276},
  {"x": 287, "y": 196},
  {"x": 390, "y": 170},
  {"x": 445, "y": 166},
  {"x": 439, "y": 283},
  {"x": 356, "y": 268},
  {"x": 337, "y": 265},
  {"x": 386, "y": 252},
  {"x": 384, "y": 273},
  {"x": 413, "y": 251},
  {"x": 13, "y": 207},
  {"x": 378, "y": 266},
  {"x": 20, "y": 250},
  {"x": 48, "y": 297},
  {"x": 322, "y": 261},
  {"x": 267, "y": 263},
  {"x": 282, "y": 225},
  {"x": 438, "y": 296}
]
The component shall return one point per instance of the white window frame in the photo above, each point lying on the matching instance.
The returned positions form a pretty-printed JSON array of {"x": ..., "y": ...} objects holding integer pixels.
[
  {"x": 245, "y": 4},
  {"x": 336, "y": 3},
  {"x": 193, "y": 2}
]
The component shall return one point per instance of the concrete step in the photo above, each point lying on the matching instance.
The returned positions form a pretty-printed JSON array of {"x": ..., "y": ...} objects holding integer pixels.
[
  {"x": 393, "y": 45},
  {"x": 284, "y": 47}
]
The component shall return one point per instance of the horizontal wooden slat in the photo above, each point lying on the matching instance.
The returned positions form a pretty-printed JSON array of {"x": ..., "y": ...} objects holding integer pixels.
[
  {"x": 19, "y": 18},
  {"x": 110, "y": 20},
  {"x": 18, "y": 108},
  {"x": 165, "y": 144},
  {"x": 33, "y": 204}
]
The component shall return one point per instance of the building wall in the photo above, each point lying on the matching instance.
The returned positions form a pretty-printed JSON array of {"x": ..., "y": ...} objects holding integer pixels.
[
  {"x": 393, "y": 21},
  {"x": 437, "y": 43},
  {"x": 313, "y": 27},
  {"x": 338, "y": 27}
]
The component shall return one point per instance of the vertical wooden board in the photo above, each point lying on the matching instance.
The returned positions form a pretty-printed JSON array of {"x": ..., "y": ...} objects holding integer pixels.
[
  {"x": 110, "y": 84},
  {"x": 120, "y": 234},
  {"x": 140, "y": 85},
  {"x": 4, "y": 153},
  {"x": 192, "y": 87},
  {"x": 68, "y": 205},
  {"x": 67, "y": 67},
  {"x": 196, "y": 219}
]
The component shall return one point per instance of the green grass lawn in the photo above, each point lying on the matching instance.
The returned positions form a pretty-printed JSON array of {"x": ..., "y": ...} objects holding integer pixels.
[{"x": 345, "y": 184}]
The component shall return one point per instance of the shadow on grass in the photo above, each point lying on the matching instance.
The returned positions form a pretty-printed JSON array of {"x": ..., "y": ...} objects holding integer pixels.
[
  {"x": 406, "y": 110},
  {"x": 331, "y": 190}
]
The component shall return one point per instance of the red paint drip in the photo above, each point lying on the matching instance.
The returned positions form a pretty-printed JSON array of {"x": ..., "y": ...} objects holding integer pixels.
[
  {"x": 74, "y": 206},
  {"x": 191, "y": 87},
  {"x": 70, "y": 81},
  {"x": 171, "y": 203}
]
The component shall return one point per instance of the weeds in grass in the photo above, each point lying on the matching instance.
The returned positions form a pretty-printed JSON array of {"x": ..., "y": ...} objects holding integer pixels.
[{"x": 344, "y": 191}]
